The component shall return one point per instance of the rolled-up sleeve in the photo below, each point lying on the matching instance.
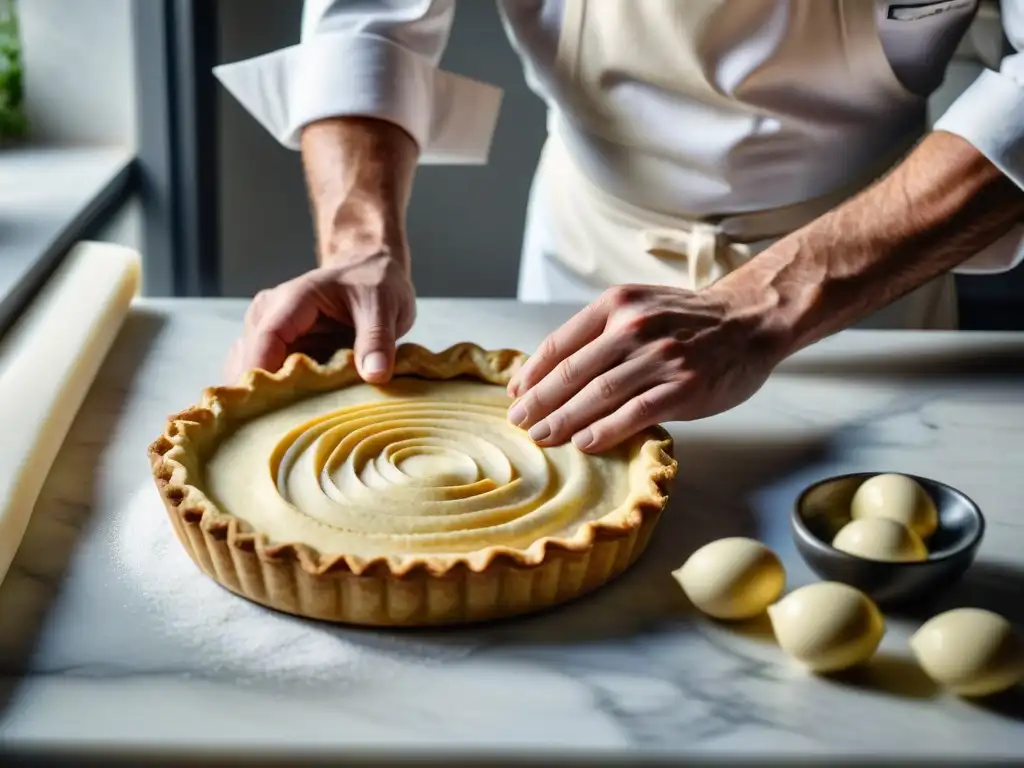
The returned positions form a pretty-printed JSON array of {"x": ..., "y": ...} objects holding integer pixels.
[
  {"x": 990, "y": 115},
  {"x": 371, "y": 58}
]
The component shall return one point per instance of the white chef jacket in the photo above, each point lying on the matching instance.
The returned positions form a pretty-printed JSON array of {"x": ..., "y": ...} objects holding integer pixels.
[{"x": 380, "y": 58}]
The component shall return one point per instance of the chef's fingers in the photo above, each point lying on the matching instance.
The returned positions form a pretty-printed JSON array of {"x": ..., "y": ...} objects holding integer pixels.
[
  {"x": 602, "y": 396},
  {"x": 255, "y": 311},
  {"x": 566, "y": 379},
  {"x": 406, "y": 315},
  {"x": 374, "y": 315},
  {"x": 640, "y": 412},
  {"x": 581, "y": 329},
  {"x": 288, "y": 314}
]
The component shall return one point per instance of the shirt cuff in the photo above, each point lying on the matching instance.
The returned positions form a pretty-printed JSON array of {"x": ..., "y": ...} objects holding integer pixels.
[
  {"x": 990, "y": 115},
  {"x": 1003, "y": 255},
  {"x": 451, "y": 118}
]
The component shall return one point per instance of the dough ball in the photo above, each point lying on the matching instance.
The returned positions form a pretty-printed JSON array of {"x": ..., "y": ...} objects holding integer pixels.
[
  {"x": 898, "y": 498},
  {"x": 732, "y": 578},
  {"x": 880, "y": 538},
  {"x": 970, "y": 651},
  {"x": 827, "y": 626}
]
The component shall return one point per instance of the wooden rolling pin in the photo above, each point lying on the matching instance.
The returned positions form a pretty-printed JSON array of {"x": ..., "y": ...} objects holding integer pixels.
[{"x": 48, "y": 361}]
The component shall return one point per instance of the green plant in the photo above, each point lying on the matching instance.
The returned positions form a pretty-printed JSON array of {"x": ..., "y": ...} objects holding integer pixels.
[{"x": 13, "y": 123}]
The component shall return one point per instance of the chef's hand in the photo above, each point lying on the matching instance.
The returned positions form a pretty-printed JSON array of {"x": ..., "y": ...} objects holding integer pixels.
[
  {"x": 359, "y": 174},
  {"x": 637, "y": 356},
  {"x": 317, "y": 313}
]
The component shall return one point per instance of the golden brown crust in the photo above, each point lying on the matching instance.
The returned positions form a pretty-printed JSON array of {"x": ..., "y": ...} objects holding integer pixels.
[{"x": 426, "y": 589}]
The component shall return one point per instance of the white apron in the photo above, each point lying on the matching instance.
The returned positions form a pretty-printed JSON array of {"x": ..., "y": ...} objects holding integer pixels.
[{"x": 580, "y": 239}]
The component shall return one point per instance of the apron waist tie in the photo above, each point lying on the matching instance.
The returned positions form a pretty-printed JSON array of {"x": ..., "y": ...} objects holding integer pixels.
[
  {"x": 605, "y": 239},
  {"x": 707, "y": 250}
]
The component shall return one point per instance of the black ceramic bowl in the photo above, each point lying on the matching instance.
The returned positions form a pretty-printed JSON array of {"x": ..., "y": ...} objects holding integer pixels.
[{"x": 823, "y": 509}]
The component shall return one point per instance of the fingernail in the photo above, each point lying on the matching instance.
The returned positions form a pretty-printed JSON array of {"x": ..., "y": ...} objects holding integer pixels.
[
  {"x": 374, "y": 363},
  {"x": 583, "y": 439},
  {"x": 517, "y": 413},
  {"x": 540, "y": 431}
]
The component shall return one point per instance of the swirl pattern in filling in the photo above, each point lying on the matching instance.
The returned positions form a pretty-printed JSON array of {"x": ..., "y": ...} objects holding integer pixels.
[{"x": 417, "y": 466}]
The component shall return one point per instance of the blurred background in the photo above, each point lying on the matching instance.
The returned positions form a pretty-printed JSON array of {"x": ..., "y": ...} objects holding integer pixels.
[{"x": 217, "y": 206}]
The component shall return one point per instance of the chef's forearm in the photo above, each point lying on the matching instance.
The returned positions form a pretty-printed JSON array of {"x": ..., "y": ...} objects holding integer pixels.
[
  {"x": 938, "y": 208},
  {"x": 359, "y": 173}
]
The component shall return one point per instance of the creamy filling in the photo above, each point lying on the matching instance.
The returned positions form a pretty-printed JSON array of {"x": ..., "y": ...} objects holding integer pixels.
[{"x": 416, "y": 466}]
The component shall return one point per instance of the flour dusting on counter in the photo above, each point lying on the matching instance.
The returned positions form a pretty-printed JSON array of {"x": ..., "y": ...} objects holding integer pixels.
[{"x": 227, "y": 634}]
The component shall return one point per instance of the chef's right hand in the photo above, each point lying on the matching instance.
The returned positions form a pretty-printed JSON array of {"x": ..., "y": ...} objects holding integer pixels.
[
  {"x": 359, "y": 173},
  {"x": 317, "y": 313}
]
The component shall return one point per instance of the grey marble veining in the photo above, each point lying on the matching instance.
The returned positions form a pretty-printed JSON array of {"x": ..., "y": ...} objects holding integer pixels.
[{"x": 110, "y": 638}]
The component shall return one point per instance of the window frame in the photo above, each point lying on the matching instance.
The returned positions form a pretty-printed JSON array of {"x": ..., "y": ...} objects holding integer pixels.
[{"x": 176, "y": 45}]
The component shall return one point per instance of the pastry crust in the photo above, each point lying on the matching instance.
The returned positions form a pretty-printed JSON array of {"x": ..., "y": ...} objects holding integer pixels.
[{"x": 385, "y": 590}]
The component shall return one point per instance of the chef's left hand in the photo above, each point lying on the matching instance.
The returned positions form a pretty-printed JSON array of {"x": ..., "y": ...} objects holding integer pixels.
[{"x": 637, "y": 356}]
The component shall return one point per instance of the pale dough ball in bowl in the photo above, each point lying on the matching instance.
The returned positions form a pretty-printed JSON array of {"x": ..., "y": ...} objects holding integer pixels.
[
  {"x": 896, "y": 497},
  {"x": 825, "y": 509},
  {"x": 880, "y": 538}
]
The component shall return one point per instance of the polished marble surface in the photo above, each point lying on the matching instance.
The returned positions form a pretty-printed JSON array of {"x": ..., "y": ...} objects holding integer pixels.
[{"x": 110, "y": 638}]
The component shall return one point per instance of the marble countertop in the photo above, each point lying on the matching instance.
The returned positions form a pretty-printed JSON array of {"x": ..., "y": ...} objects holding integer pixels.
[{"x": 111, "y": 640}]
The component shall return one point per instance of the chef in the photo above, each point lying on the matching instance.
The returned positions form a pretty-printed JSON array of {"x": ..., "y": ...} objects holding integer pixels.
[{"x": 724, "y": 183}]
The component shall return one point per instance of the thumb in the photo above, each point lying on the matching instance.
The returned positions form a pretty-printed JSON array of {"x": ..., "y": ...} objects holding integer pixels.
[{"x": 374, "y": 321}]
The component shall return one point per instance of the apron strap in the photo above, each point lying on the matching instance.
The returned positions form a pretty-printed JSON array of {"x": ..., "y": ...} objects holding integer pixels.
[{"x": 708, "y": 253}]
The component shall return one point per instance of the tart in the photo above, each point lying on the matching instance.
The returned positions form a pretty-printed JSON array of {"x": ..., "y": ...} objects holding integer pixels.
[{"x": 410, "y": 503}]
